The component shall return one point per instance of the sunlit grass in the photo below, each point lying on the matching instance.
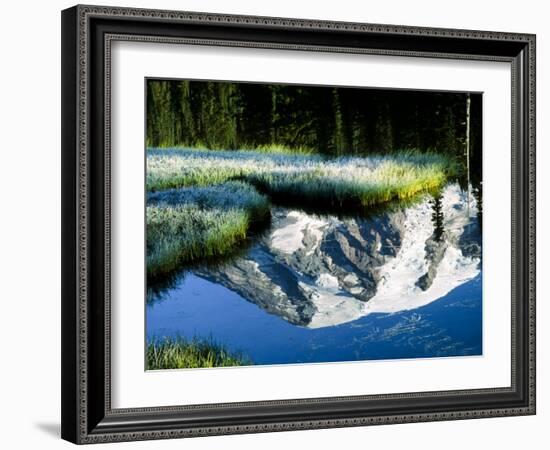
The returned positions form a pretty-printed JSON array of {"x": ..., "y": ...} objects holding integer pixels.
[
  {"x": 173, "y": 168},
  {"x": 193, "y": 224},
  {"x": 340, "y": 182},
  {"x": 390, "y": 181},
  {"x": 281, "y": 149},
  {"x": 203, "y": 204},
  {"x": 178, "y": 353},
  {"x": 264, "y": 148}
]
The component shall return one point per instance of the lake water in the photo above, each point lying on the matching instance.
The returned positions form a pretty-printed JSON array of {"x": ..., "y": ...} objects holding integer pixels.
[
  {"x": 450, "y": 326},
  {"x": 317, "y": 288}
]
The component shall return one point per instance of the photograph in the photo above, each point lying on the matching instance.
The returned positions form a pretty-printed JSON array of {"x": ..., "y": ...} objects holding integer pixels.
[
  {"x": 299, "y": 224},
  {"x": 276, "y": 220}
]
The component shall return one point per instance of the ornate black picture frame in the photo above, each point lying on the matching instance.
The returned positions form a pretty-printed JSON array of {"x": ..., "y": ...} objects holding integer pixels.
[{"x": 87, "y": 34}]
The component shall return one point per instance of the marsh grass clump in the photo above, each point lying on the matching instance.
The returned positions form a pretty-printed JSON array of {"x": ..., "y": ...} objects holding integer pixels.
[
  {"x": 181, "y": 167},
  {"x": 224, "y": 196},
  {"x": 204, "y": 204},
  {"x": 283, "y": 149},
  {"x": 194, "y": 224},
  {"x": 389, "y": 182},
  {"x": 343, "y": 182},
  {"x": 272, "y": 148},
  {"x": 179, "y": 353}
]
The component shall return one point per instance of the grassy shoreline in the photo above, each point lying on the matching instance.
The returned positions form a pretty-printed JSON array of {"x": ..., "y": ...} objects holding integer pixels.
[
  {"x": 204, "y": 204},
  {"x": 193, "y": 224},
  {"x": 179, "y": 353},
  {"x": 359, "y": 181}
]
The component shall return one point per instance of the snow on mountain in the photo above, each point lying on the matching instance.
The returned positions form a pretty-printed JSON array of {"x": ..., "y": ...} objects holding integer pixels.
[{"x": 319, "y": 271}]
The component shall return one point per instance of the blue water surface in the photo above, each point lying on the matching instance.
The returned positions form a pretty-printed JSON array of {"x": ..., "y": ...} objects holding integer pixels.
[{"x": 195, "y": 307}]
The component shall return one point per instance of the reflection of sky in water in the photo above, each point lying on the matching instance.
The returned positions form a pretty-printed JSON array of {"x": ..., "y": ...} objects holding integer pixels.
[{"x": 450, "y": 326}]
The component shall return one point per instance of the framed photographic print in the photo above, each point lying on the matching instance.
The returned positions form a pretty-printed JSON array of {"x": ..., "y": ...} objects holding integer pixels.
[{"x": 280, "y": 224}]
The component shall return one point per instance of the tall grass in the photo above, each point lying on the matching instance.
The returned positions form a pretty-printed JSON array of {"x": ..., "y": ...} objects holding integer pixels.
[
  {"x": 389, "y": 182},
  {"x": 178, "y": 353},
  {"x": 340, "y": 182},
  {"x": 173, "y": 168},
  {"x": 193, "y": 224},
  {"x": 272, "y": 148},
  {"x": 204, "y": 204},
  {"x": 281, "y": 149}
]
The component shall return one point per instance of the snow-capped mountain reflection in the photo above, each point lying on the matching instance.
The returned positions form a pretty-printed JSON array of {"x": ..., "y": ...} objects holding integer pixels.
[{"x": 320, "y": 271}]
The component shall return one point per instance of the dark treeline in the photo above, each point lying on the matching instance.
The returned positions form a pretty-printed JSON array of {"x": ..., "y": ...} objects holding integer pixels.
[{"x": 327, "y": 120}]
